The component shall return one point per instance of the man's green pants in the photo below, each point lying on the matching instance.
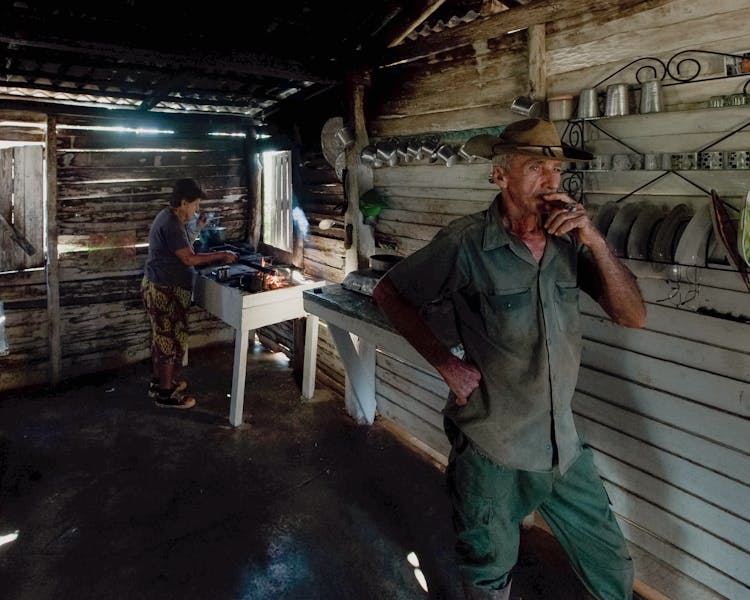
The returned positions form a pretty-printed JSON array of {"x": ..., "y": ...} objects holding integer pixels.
[{"x": 490, "y": 501}]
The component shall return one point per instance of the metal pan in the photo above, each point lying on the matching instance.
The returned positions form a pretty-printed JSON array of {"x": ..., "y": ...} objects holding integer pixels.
[{"x": 383, "y": 262}]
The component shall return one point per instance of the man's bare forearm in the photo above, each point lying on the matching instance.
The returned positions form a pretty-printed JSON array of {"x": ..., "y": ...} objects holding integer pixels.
[
  {"x": 619, "y": 295},
  {"x": 409, "y": 323},
  {"x": 461, "y": 377}
]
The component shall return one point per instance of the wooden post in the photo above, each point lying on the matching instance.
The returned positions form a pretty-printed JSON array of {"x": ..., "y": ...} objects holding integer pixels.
[
  {"x": 310, "y": 364},
  {"x": 299, "y": 329},
  {"x": 353, "y": 185},
  {"x": 537, "y": 61},
  {"x": 53, "y": 267},
  {"x": 253, "y": 188}
]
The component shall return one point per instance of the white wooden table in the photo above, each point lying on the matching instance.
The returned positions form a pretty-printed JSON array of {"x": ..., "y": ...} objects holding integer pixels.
[
  {"x": 358, "y": 329},
  {"x": 246, "y": 312}
]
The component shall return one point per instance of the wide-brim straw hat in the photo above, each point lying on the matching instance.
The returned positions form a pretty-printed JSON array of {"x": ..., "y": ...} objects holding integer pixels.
[{"x": 529, "y": 137}]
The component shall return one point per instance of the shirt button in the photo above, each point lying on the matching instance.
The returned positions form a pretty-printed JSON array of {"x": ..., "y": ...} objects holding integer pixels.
[{"x": 548, "y": 446}]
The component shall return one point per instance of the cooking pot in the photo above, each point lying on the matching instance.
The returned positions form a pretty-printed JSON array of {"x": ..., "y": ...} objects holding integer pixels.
[
  {"x": 211, "y": 236},
  {"x": 383, "y": 262},
  {"x": 252, "y": 282}
]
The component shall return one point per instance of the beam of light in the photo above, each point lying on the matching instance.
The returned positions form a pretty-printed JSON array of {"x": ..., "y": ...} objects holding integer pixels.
[
  {"x": 421, "y": 580},
  {"x": 118, "y": 129},
  {"x": 300, "y": 220},
  {"x": 413, "y": 560},
  {"x": 8, "y": 538},
  {"x": 227, "y": 134}
]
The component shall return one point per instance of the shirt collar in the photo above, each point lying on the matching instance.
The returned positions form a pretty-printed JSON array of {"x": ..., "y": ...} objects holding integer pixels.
[{"x": 495, "y": 234}]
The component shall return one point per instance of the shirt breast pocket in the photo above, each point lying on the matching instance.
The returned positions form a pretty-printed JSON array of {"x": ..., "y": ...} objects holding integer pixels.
[
  {"x": 507, "y": 314},
  {"x": 566, "y": 306}
]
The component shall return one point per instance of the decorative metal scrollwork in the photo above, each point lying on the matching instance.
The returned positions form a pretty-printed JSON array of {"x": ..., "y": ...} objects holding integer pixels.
[
  {"x": 683, "y": 67},
  {"x": 572, "y": 184},
  {"x": 573, "y": 134},
  {"x": 677, "y": 67},
  {"x": 656, "y": 68}
]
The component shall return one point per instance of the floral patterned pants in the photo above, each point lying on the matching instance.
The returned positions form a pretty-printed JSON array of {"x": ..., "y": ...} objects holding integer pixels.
[{"x": 167, "y": 308}]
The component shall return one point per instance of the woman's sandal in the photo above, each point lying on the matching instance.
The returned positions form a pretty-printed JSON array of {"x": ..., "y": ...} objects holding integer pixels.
[
  {"x": 153, "y": 387},
  {"x": 173, "y": 398}
]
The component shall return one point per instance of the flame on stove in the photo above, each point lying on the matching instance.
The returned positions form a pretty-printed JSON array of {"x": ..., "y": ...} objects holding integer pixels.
[{"x": 274, "y": 282}]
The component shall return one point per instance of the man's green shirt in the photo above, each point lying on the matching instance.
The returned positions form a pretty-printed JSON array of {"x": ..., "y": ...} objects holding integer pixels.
[{"x": 519, "y": 324}]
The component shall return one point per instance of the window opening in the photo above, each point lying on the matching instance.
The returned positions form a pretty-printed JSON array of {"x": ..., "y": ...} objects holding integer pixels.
[
  {"x": 277, "y": 200},
  {"x": 22, "y": 206},
  {"x": 3, "y": 341}
]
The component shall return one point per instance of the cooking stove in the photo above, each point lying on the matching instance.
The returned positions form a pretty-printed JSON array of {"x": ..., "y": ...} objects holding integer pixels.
[
  {"x": 254, "y": 272},
  {"x": 244, "y": 304}
]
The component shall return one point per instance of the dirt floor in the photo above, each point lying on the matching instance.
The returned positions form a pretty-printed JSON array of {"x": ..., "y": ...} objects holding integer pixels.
[{"x": 113, "y": 497}]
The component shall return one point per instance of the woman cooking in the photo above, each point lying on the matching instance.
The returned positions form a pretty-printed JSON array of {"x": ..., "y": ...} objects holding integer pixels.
[{"x": 167, "y": 287}]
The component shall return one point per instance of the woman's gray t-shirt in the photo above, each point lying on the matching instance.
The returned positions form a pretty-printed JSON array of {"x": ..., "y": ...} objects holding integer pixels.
[{"x": 163, "y": 267}]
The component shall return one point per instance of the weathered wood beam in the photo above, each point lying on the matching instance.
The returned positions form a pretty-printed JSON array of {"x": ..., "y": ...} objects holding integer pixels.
[
  {"x": 243, "y": 63},
  {"x": 534, "y": 13},
  {"x": 53, "y": 265},
  {"x": 357, "y": 84},
  {"x": 423, "y": 12},
  {"x": 162, "y": 91},
  {"x": 70, "y": 115},
  {"x": 18, "y": 237},
  {"x": 537, "y": 61}
]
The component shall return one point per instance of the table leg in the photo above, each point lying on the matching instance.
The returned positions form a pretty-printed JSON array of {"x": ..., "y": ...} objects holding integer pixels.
[
  {"x": 310, "y": 363},
  {"x": 238, "y": 376},
  {"x": 359, "y": 362}
]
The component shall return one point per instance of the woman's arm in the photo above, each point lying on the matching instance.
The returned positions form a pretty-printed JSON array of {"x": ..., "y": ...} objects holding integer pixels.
[{"x": 198, "y": 259}]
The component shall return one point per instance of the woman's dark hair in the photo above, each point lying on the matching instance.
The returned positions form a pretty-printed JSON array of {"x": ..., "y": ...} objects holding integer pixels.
[{"x": 186, "y": 189}]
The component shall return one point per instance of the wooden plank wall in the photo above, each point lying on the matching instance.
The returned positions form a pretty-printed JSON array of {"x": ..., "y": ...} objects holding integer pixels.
[
  {"x": 22, "y": 169},
  {"x": 665, "y": 408},
  {"x": 321, "y": 197},
  {"x": 110, "y": 187}
]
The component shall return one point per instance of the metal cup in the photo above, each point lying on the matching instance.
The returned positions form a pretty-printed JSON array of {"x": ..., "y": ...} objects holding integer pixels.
[
  {"x": 601, "y": 162},
  {"x": 447, "y": 154},
  {"x": 403, "y": 153},
  {"x": 652, "y": 162},
  {"x": 738, "y": 159},
  {"x": 588, "y": 104},
  {"x": 345, "y": 137},
  {"x": 713, "y": 160},
  {"x": 387, "y": 152},
  {"x": 689, "y": 160},
  {"x": 429, "y": 148},
  {"x": 622, "y": 162},
  {"x": 523, "y": 105},
  {"x": 652, "y": 99},
  {"x": 617, "y": 102},
  {"x": 465, "y": 155},
  {"x": 222, "y": 274},
  {"x": 414, "y": 149},
  {"x": 369, "y": 157}
]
